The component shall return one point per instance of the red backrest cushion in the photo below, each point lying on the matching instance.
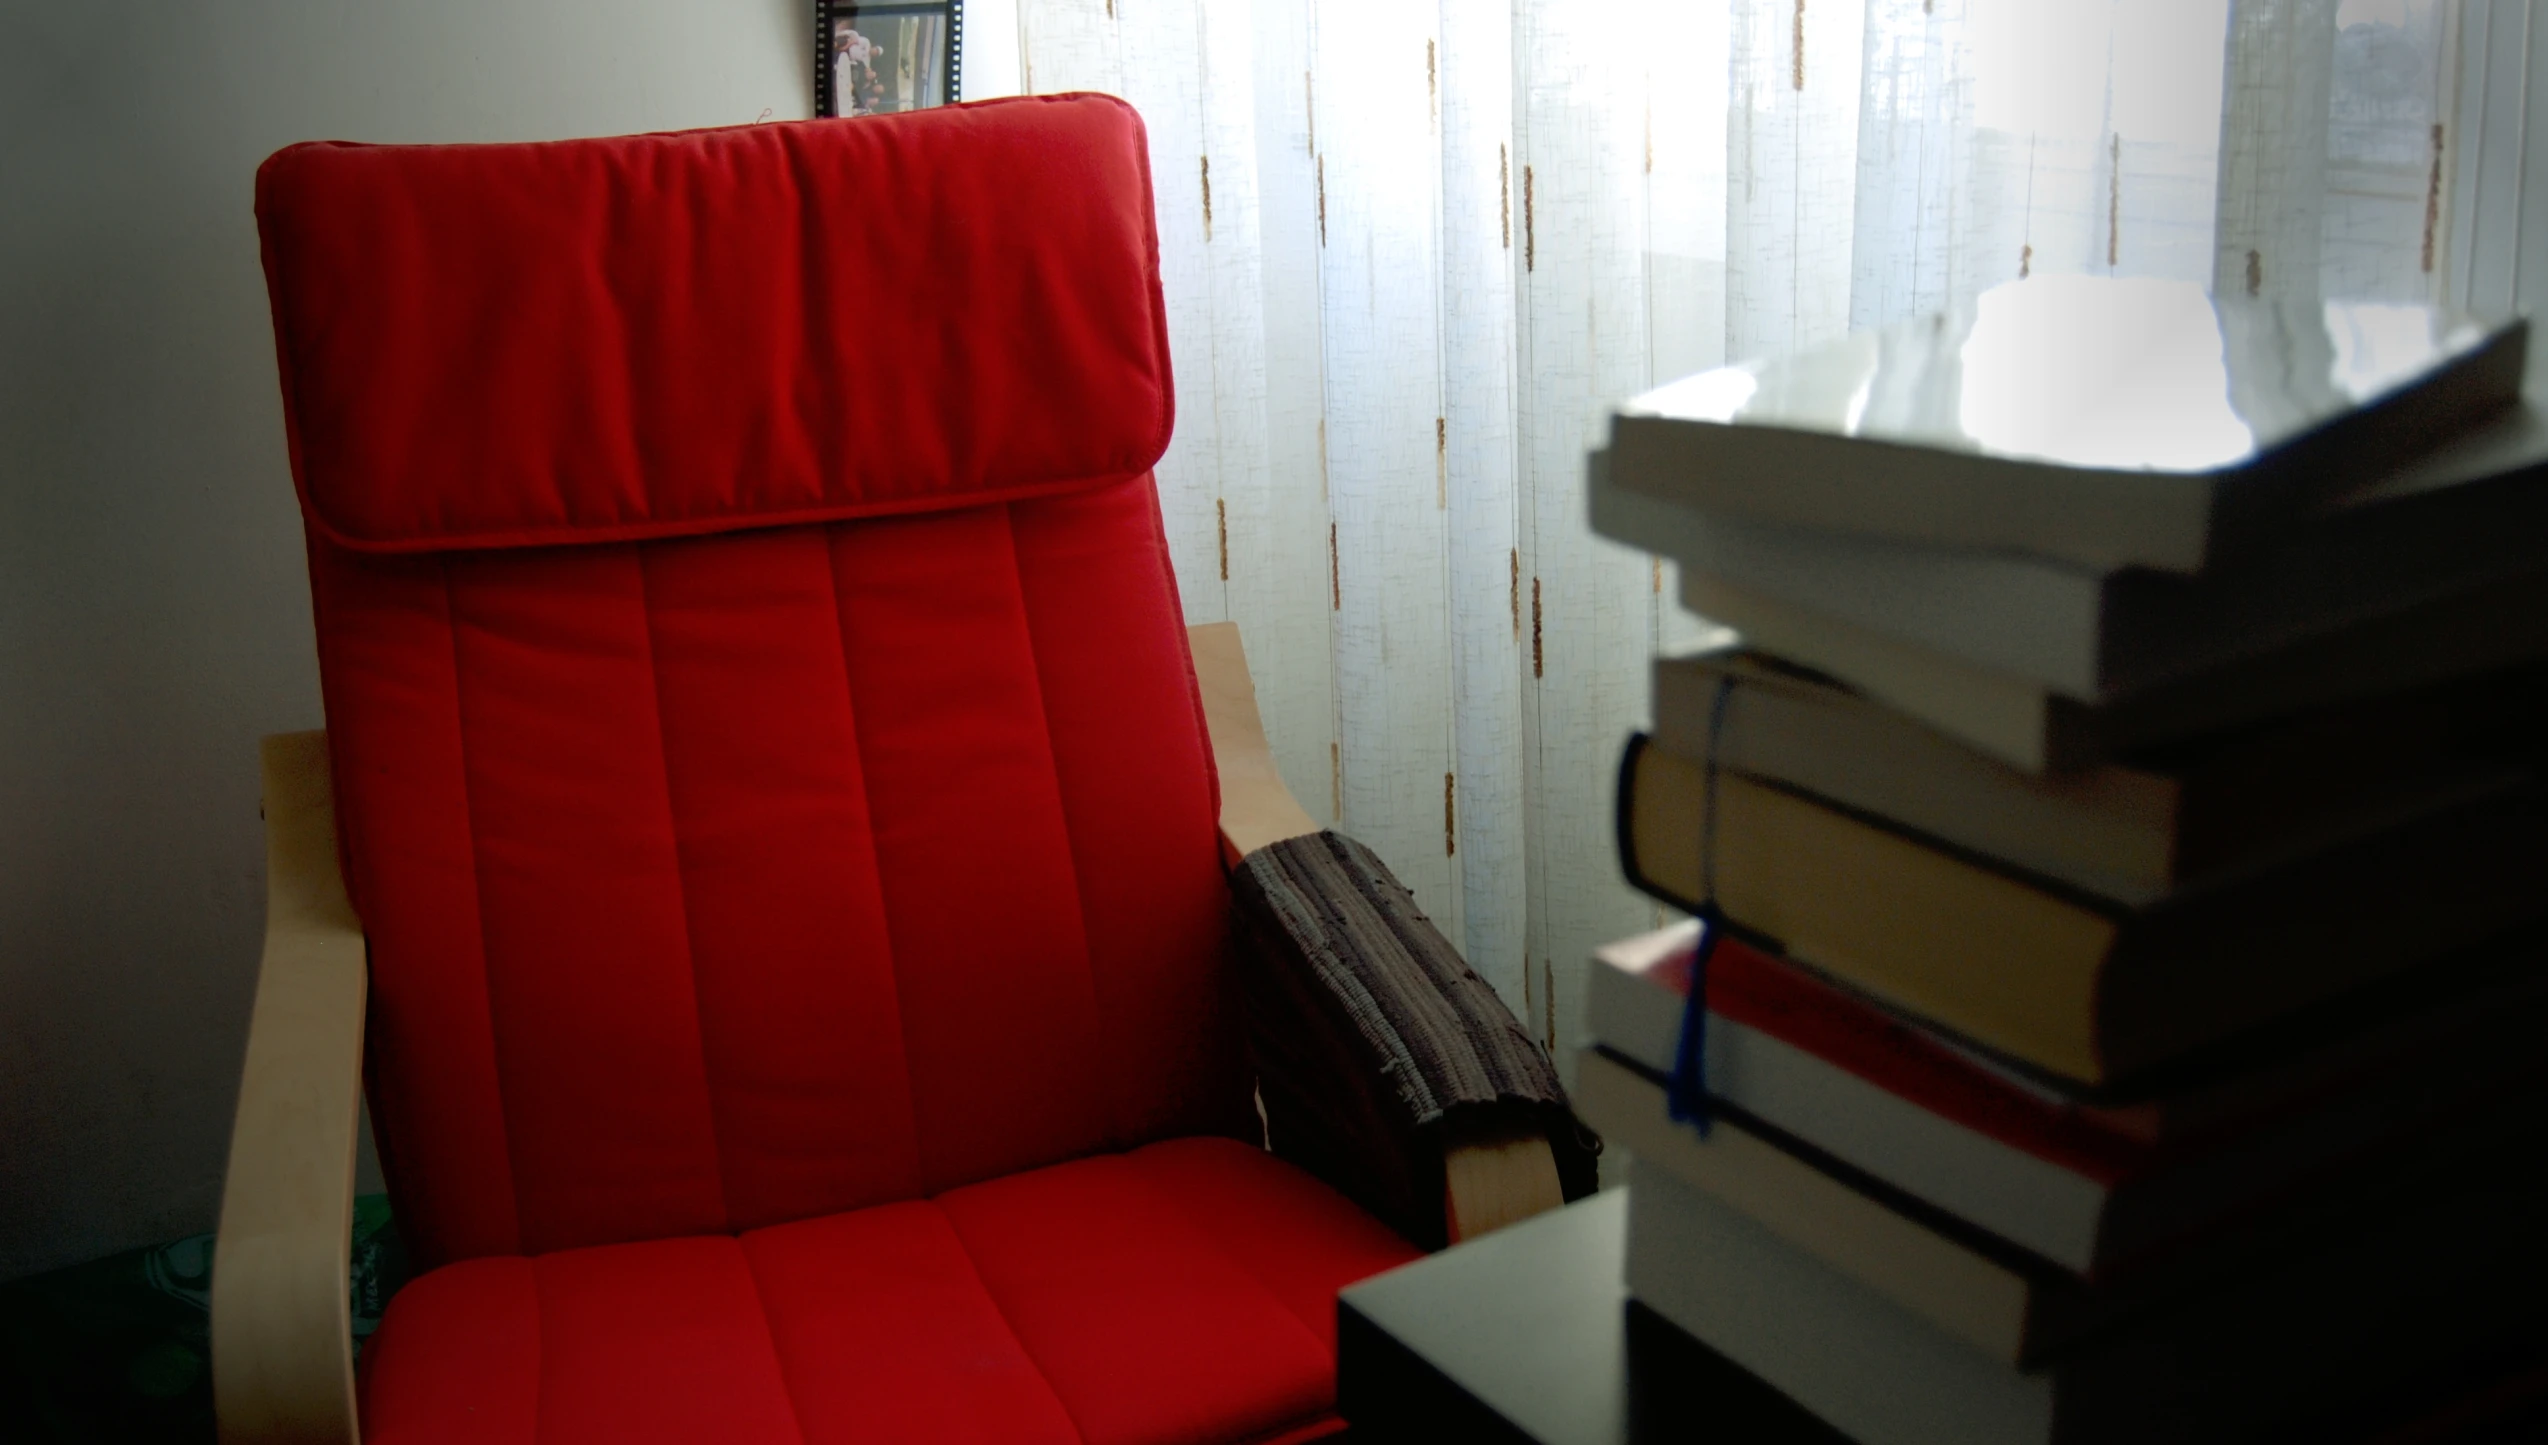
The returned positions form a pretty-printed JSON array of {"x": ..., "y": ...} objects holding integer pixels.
[{"x": 720, "y": 879}]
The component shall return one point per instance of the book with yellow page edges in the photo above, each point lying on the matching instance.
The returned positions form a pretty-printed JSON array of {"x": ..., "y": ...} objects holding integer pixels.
[{"x": 2086, "y": 989}]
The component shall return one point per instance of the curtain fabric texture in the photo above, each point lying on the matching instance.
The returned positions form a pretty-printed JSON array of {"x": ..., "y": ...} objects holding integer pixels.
[{"x": 1412, "y": 249}]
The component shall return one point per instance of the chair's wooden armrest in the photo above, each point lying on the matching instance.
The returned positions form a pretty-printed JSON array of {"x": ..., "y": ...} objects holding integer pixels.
[
  {"x": 282, "y": 1354},
  {"x": 1492, "y": 1182},
  {"x": 1256, "y": 809},
  {"x": 1487, "y": 1182}
]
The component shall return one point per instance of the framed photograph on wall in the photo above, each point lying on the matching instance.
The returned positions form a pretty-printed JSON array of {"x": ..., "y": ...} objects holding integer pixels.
[{"x": 879, "y": 58}]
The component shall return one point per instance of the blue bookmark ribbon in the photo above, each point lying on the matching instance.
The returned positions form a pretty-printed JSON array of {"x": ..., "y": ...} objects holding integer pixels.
[{"x": 1687, "y": 1094}]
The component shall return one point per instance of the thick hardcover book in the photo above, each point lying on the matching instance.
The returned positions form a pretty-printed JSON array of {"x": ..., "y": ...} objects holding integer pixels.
[
  {"x": 2083, "y": 988},
  {"x": 2473, "y": 512},
  {"x": 2106, "y": 422},
  {"x": 2127, "y": 832},
  {"x": 2094, "y": 1190}
]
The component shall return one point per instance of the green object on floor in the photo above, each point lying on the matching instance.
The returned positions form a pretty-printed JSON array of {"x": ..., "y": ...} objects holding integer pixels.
[
  {"x": 115, "y": 1349},
  {"x": 379, "y": 1264}
]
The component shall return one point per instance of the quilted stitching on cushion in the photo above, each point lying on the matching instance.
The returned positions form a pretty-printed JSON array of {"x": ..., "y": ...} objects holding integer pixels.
[
  {"x": 1183, "y": 1292},
  {"x": 661, "y": 335},
  {"x": 723, "y": 881}
]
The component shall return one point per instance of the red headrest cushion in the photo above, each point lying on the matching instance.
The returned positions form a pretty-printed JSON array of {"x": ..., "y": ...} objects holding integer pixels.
[{"x": 511, "y": 345}]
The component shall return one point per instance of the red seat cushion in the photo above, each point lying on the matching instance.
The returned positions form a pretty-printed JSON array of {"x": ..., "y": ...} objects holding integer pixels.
[{"x": 1184, "y": 1292}]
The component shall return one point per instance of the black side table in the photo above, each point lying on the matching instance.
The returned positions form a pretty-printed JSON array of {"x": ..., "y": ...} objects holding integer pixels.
[{"x": 1528, "y": 1336}]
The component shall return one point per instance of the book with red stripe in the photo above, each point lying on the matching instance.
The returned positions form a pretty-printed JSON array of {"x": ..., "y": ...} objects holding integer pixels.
[{"x": 2095, "y": 1190}]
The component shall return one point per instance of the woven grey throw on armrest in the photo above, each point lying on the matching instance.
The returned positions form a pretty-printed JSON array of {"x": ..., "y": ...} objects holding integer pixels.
[{"x": 1375, "y": 1044}]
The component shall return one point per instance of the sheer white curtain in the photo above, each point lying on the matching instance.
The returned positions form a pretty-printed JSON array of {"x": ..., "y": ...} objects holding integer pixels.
[{"x": 1413, "y": 248}]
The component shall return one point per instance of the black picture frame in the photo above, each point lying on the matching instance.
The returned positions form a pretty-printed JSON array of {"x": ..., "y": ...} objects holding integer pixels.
[{"x": 878, "y": 57}]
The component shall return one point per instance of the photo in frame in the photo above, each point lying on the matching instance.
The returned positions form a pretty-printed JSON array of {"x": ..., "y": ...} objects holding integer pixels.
[{"x": 888, "y": 56}]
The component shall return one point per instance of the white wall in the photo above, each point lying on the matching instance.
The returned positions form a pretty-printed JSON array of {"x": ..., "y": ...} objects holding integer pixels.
[{"x": 154, "y": 615}]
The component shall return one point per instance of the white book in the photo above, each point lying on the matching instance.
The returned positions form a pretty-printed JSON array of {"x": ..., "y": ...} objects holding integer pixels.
[
  {"x": 2473, "y": 511},
  {"x": 2029, "y": 726},
  {"x": 2105, "y": 422}
]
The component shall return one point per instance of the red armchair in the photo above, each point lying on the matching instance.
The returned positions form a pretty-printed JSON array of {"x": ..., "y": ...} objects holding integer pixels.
[{"x": 768, "y": 799}]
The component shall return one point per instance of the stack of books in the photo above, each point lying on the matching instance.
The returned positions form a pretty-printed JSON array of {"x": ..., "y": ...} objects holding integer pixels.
[{"x": 2118, "y": 806}]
